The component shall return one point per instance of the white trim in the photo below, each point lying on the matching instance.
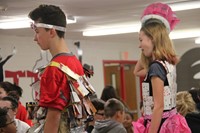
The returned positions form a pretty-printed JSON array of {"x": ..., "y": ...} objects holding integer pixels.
[{"x": 146, "y": 17}]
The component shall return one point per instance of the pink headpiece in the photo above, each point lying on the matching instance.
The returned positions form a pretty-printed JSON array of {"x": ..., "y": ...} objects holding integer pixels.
[{"x": 162, "y": 12}]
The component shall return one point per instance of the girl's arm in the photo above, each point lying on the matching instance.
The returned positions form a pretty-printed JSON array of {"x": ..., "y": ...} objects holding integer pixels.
[
  {"x": 158, "y": 98},
  {"x": 139, "y": 70}
]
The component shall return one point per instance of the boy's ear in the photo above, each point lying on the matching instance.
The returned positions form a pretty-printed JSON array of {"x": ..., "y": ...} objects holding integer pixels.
[
  {"x": 53, "y": 32},
  {"x": 119, "y": 113}
]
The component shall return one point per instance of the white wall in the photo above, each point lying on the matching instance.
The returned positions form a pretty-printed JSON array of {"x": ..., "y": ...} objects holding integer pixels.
[{"x": 93, "y": 53}]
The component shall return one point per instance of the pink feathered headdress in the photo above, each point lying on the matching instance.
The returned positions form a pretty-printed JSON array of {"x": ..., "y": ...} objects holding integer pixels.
[{"x": 162, "y": 12}]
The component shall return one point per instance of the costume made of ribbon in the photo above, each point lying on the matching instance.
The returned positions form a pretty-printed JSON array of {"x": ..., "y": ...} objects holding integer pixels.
[
  {"x": 80, "y": 91},
  {"x": 79, "y": 107}
]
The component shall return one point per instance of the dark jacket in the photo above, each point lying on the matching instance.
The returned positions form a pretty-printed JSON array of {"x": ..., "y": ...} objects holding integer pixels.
[
  {"x": 193, "y": 120},
  {"x": 108, "y": 126}
]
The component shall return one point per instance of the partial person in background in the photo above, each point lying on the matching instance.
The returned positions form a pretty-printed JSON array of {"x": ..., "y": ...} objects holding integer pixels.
[
  {"x": 7, "y": 88},
  {"x": 158, "y": 62},
  {"x": 2, "y": 62},
  {"x": 99, "y": 115},
  {"x": 7, "y": 125},
  {"x": 22, "y": 113},
  {"x": 195, "y": 92},
  {"x": 187, "y": 107},
  {"x": 108, "y": 93},
  {"x": 114, "y": 112},
  {"x": 12, "y": 104},
  {"x": 128, "y": 121},
  {"x": 184, "y": 103}
]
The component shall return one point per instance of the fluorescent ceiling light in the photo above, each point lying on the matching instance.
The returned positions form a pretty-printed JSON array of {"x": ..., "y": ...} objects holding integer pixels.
[
  {"x": 24, "y": 22},
  {"x": 111, "y": 30},
  {"x": 15, "y": 23},
  {"x": 189, "y": 33},
  {"x": 187, "y": 5},
  {"x": 177, "y": 34},
  {"x": 197, "y": 41}
]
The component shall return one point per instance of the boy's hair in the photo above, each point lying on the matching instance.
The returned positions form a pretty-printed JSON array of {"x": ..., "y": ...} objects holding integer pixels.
[
  {"x": 7, "y": 86},
  {"x": 18, "y": 89},
  {"x": 14, "y": 102},
  {"x": 98, "y": 104},
  {"x": 112, "y": 106},
  {"x": 16, "y": 93},
  {"x": 13, "y": 94},
  {"x": 49, "y": 14},
  {"x": 3, "y": 117},
  {"x": 184, "y": 103}
]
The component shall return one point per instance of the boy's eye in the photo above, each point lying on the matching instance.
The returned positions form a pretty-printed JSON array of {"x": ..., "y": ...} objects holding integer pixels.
[{"x": 36, "y": 31}]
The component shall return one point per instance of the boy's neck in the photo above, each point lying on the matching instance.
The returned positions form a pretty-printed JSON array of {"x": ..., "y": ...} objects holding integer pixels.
[{"x": 58, "y": 46}]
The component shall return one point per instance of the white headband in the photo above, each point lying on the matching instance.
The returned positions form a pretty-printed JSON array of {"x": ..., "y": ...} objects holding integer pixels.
[
  {"x": 49, "y": 26},
  {"x": 162, "y": 19}
]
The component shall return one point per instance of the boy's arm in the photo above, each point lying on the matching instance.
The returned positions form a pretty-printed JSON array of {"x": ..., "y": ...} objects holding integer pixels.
[{"x": 52, "y": 120}]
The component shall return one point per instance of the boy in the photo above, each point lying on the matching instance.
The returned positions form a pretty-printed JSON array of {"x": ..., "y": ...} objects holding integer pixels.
[
  {"x": 114, "y": 116},
  {"x": 49, "y": 26},
  {"x": 7, "y": 125}
]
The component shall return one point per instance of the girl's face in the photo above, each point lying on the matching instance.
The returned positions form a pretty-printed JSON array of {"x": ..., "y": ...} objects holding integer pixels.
[
  {"x": 3, "y": 93},
  {"x": 145, "y": 44},
  {"x": 127, "y": 120}
]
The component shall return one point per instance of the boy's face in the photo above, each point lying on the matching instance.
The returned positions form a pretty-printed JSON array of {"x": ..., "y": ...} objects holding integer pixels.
[
  {"x": 42, "y": 37},
  {"x": 121, "y": 115},
  {"x": 10, "y": 126},
  {"x": 2, "y": 93},
  {"x": 99, "y": 115},
  {"x": 7, "y": 104}
]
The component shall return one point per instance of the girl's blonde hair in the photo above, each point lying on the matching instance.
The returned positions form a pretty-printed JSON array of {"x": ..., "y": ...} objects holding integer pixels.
[
  {"x": 163, "y": 46},
  {"x": 184, "y": 103}
]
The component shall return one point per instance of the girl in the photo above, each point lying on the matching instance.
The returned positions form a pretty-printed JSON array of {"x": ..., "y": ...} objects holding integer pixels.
[{"x": 158, "y": 65}]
